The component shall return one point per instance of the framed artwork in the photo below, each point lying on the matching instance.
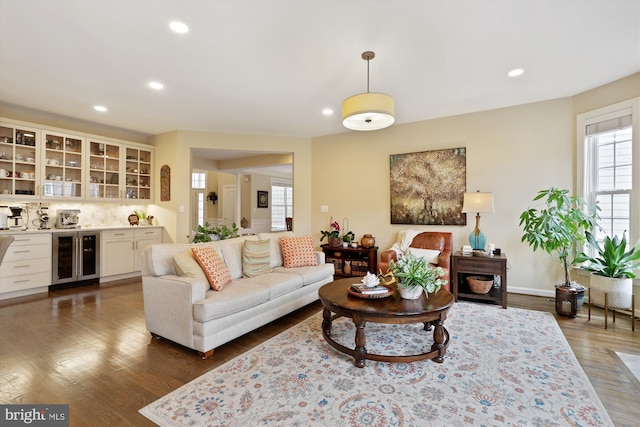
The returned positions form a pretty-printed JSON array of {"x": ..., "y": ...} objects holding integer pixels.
[
  {"x": 427, "y": 188},
  {"x": 263, "y": 199},
  {"x": 165, "y": 183}
]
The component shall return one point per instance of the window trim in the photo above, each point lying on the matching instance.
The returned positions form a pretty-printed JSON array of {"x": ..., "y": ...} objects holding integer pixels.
[{"x": 631, "y": 106}]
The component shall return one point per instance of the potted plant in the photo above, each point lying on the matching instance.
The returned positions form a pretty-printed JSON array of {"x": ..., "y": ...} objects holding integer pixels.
[
  {"x": 333, "y": 235},
  {"x": 142, "y": 217},
  {"x": 347, "y": 238},
  {"x": 207, "y": 233},
  {"x": 612, "y": 270},
  {"x": 558, "y": 225},
  {"x": 414, "y": 275}
]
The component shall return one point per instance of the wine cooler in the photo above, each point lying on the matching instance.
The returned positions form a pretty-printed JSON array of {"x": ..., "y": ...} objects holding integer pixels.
[{"x": 76, "y": 256}]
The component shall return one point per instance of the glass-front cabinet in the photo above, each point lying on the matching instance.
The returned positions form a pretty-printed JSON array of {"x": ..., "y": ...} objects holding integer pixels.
[
  {"x": 138, "y": 174},
  {"x": 39, "y": 163},
  {"x": 62, "y": 165},
  {"x": 104, "y": 170},
  {"x": 18, "y": 155}
]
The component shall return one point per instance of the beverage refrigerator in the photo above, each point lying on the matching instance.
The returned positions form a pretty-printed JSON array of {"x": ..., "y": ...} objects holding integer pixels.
[{"x": 76, "y": 256}]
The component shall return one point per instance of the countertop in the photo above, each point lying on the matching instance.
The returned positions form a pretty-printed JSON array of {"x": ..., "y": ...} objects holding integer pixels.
[{"x": 34, "y": 230}]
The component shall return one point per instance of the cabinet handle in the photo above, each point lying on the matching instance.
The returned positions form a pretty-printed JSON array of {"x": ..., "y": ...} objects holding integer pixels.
[
  {"x": 21, "y": 281},
  {"x": 119, "y": 234},
  {"x": 22, "y": 252},
  {"x": 22, "y": 240},
  {"x": 22, "y": 266}
]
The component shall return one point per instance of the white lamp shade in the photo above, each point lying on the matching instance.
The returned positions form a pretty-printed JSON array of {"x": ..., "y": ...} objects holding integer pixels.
[
  {"x": 478, "y": 202},
  {"x": 368, "y": 111}
]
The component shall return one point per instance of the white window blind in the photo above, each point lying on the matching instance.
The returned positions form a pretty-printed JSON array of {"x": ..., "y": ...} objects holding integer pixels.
[
  {"x": 281, "y": 204},
  {"x": 609, "y": 172}
]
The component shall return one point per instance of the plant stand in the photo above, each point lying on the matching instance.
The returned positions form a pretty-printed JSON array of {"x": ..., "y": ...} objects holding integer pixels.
[{"x": 606, "y": 309}]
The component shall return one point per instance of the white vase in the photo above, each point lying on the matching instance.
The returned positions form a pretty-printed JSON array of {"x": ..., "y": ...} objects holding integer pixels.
[
  {"x": 410, "y": 293},
  {"x": 619, "y": 291}
]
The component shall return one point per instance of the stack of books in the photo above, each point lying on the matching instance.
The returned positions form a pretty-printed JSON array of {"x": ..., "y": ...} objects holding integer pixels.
[{"x": 361, "y": 288}]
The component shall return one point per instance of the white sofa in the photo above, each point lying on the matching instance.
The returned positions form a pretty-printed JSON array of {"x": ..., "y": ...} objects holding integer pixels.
[{"x": 187, "y": 311}]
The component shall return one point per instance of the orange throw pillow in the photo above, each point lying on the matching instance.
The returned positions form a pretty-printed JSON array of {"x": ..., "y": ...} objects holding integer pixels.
[
  {"x": 213, "y": 266},
  {"x": 298, "y": 251}
]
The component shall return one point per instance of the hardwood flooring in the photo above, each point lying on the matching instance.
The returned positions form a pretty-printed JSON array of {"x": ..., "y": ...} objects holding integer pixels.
[{"x": 89, "y": 347}]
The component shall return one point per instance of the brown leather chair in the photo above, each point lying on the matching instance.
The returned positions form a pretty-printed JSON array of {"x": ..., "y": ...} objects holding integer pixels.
[{"x": 439, "y": 241}]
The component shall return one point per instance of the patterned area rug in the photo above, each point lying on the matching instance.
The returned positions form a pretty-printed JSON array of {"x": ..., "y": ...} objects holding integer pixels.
[{"x": 502, "y": 368}]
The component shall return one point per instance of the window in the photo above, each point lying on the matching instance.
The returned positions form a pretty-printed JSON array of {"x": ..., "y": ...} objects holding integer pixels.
[
  {"x": 281, "y": 204},
  {"x": 198, "y": 181},
  {"x": 609, "y": 169}
]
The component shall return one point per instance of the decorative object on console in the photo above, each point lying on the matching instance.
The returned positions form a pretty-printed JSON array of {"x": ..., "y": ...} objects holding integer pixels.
[
  {"x": 370, "y": 110},
  {"x": 368, "y": 241},
  {"x": 426, "y": 188},
  {"x": 479, "y": 203},
  {"x": 333, "y": 235}
]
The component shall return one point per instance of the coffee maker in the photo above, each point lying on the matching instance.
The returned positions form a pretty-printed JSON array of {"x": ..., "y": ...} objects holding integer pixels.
[{"x": 16, "y": 214}]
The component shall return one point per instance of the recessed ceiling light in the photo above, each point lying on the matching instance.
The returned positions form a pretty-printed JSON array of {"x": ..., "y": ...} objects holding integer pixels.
[
  {"x": 100, "y": 108},
  {"x": 156, "y": 85},
  {"x": 515, "y": 72},
  {"x": 179, "y": 27},
  {"x": 327, "y": 112}
]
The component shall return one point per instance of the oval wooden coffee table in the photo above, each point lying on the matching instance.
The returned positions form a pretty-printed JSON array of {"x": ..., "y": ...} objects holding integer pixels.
[{"x": 432, "y": 311}]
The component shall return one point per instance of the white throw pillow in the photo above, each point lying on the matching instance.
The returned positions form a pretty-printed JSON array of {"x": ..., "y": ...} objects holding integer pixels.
[{"x": 430, "y": 255}]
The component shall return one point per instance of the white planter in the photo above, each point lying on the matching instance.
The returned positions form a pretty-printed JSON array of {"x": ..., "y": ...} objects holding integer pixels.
[
  {"x": 620, "y": 291},
  {"x": 410, "y": 293}
]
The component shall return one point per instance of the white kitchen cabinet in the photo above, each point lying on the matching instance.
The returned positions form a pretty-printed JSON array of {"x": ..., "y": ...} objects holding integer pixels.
[
  {"x": 19, "y": 152},
  {"x": 26, "y": 265},
  {"x": 104, "y": 166},
  {"x": 145, "y": 237},
  {"x": 62, "y": 164},
  {"x": 122, "y": 249}
]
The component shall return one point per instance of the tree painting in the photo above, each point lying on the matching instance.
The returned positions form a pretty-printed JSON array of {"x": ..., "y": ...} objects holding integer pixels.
[{"x": 427, "y": 188}]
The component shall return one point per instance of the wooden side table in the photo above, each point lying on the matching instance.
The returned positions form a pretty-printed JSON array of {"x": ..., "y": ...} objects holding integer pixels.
[{"x": 468, "y": 265}]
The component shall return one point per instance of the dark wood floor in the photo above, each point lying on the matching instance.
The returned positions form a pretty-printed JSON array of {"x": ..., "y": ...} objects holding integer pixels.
[{"x": 89, "y": 347}]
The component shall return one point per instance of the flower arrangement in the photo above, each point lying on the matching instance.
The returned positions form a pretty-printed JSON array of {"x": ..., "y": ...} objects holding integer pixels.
[
  {"x": 333, "y": 233},
  {"x": 411, "y": 271}
]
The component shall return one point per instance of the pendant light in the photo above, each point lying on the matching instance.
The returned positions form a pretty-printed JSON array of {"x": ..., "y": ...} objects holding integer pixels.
[{"x": 368, "y": 111}]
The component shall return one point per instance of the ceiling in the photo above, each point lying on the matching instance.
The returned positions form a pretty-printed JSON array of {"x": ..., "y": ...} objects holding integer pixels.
[{"x": 270, "y": 67}]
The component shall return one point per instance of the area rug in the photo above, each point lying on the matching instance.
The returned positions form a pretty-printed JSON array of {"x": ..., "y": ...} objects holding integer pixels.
[{"x": 503, "y": 368}]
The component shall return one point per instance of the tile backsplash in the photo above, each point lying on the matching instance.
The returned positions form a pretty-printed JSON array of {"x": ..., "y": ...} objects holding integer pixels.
[{"x": 92, "y": 215}]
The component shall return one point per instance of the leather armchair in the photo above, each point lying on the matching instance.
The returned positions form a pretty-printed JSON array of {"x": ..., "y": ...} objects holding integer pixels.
[{"x": 439, "y": 241}]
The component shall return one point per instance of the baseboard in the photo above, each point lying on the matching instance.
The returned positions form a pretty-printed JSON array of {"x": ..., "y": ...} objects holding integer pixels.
[{"x": 531, "y": 291}]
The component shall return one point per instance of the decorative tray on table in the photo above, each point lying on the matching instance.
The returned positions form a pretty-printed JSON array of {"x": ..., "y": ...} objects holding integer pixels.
[{"x": 361, "y": 291}]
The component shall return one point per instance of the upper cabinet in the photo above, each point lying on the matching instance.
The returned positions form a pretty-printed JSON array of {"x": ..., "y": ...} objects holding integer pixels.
[
  {"x": 41, "y": 164},
  {"x": 138, "y": 169},
  {"x": 19, "y": 150},
  {"x": 104, "y": 170},
  {"x": 62, "y": 163}
]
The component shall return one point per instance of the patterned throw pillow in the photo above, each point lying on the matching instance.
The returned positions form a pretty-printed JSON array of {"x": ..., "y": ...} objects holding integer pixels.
[
  {"x": 213, "y": 266},
  {"x": 298, "y": 251},
  {"x": 256, "y": 257}
]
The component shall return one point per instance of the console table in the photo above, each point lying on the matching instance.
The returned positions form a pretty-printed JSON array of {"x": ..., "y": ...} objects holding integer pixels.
[
  {"x": 468, "y": 265},
  {"x": 350, "y": 262}
]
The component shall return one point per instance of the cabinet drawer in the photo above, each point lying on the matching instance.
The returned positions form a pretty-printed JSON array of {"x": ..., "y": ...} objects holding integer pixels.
[
  {"x": 478, "y": 265},
  {"x": 117, "y": 234},
  {"x": 29, "y": 266},
  {"x": 16, "y": 253},
  {"x": 26, "y": 281},
  {"x": 147, "y": 232},
  {"x": 31, "y": 239}
]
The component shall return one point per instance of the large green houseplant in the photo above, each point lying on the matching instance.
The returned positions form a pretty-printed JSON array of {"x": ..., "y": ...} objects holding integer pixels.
[
  {"x": 558, "y": 225},
  {"x": 207, "y": 233}
]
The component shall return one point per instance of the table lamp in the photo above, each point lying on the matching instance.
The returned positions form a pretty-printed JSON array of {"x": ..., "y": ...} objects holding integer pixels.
[{"x": 477, "y": 202}]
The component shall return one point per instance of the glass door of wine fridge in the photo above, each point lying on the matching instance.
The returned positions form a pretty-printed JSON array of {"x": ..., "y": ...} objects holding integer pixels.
[{"x": 76, "y": 256}]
